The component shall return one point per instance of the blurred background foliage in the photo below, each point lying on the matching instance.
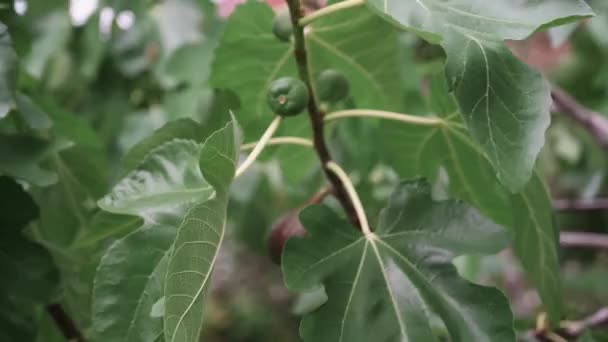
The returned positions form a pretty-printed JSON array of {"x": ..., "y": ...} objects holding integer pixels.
[{"x": 98, "y": 76}]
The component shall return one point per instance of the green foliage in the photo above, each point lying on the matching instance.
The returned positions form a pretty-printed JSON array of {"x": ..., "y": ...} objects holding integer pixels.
[
  {"x": 172, "y": 195},
  {"x": 8, "y": 73},
  {"x": 33, "y": 276},
  {"x": 24, "y": 155},
  {"x": 499, "y": 96},
  {"x": 374, "y": 72},
  {"x": 449, "y": 148},
  {"x": 122, "y": 173},
  {"x": 190, "y": 266},
  {"x": 249, "y": 33},
  {"x": 381, "y": 285}
]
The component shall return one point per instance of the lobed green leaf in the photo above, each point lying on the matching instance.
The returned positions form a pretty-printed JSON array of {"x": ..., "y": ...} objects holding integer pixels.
[
  {"x": 135, "y": 297},
  {"x": 196, "y": 246},
  {"x": 505, "y": 104},
  {"x": 448, "y": 151},
  {"x": 385, "y": 286}
]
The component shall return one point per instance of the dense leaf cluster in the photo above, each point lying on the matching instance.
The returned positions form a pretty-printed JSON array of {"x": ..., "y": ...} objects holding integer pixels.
[{"x": 125, "y": 164}]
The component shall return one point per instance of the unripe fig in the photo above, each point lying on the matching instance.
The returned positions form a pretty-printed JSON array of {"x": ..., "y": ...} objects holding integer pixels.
[
  {"x": 282, "y": 26},
  {"x": 285, "y": 227},
  {"x": 332, "y": 86},
  {"x": 287, "y": 96}
]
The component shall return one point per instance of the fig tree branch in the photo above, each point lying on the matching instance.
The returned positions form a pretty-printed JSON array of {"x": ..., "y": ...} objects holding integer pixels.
[
  {"x": 584, "y": 240},
  {"x": 581, "y": 204},
  {"x": 574, "y": 329},
  {"x": 319, "y": 196},
  {"x": 577, "y": 328},
  {"x": 314, "y": 113},
  {"x": 64, "y": 323},
  {"x": 595, "y": 123}
]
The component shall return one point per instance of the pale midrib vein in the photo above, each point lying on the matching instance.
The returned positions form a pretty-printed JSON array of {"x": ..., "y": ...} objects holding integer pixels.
[
  {"x": 487, "y": 97},
  {"x": 148, "y": 277},
  {"x": 456, "y": 162},
  {"x": 221, "y": 155},
  {"x": 388, "y": 285},
  {"x": 352, "y": 292},
  {"x": 422, "y": 147},
  {"x": 540, "y": 232},
  {"x": 63, "y": 169},
  {"x": 453, "y": 155},
  {"x": 413, "y": 268},
  {"x": 189, "y": 243},
  {"x": 329, "y": 256},
  {"x": 107, "y": 233},
  {"x": 465, "y": 139},
  {"x": 154, "y": 197},
  {"x": 211, "y": 265},
  {"x": 412, "y": 233},
  {"x": 201, "y": 288}
]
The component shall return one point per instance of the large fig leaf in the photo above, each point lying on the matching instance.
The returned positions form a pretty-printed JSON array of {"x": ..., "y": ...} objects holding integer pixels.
[
  {"x": 448, "y": 150},
  {"x": 385, "y": 285},
  {"x": 165, "y": 191},
  {"x": 195, "y": 249},
  {"x": 504, "y": 103}
]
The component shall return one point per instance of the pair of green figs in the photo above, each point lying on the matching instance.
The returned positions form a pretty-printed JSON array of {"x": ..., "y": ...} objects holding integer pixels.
[{"x": 288, "y": 96}]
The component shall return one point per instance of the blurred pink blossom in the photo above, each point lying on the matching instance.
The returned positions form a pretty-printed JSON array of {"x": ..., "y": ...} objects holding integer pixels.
[{"x": 226, "y": 7}]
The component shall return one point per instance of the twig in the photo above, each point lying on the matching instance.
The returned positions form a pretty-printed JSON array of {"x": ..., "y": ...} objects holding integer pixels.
[
  {"x": 64, "y": 323},
  {"x": 577, "y": 328},
  {"x": 572, "y": 329},
  {"x": 581, "y": 204},
  {"x": 586, "y": 240},
  {"x": 314, "y": 113},
  {"x": 595, "y": 123},
  {"x": 319, "y": 196}
]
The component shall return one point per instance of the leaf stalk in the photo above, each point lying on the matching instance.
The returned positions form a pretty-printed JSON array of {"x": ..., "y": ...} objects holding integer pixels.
[
  {"x": 352, "y": 193},
  {"x": 372, "y": 113},
  {"x": 280, "y": 141},
  {"x": 340, "y": 6},
  {"x": 259, "y": 147}
]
